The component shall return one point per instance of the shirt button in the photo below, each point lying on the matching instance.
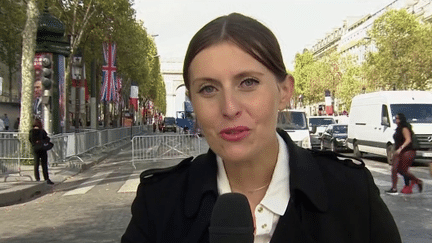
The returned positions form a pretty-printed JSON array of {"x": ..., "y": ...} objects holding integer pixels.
[
  {"x": 260, "y": 209},
  {"x": 264, "y": 226}
]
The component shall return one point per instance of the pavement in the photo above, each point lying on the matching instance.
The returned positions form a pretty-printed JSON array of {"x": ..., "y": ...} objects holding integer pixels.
[{"x": 19, "y": 188}]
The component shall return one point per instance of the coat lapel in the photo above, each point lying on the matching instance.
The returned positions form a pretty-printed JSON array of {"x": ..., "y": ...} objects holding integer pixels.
[
  {"x": 305, "y": 178},
  {"x": 201, "y": 196}
]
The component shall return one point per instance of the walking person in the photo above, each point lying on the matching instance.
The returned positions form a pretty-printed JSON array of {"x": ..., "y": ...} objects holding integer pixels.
[
  {"x": 237, "y": 83},
  {"x": 37, "y": 137},
  {"x": 6, "y": 122},
  {"x": 404, "y": 156}
]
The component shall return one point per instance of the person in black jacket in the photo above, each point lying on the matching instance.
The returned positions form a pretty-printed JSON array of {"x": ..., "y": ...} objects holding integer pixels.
[
  {"x": 237, "y": 83},
  {"x": 37, "y": 137}
]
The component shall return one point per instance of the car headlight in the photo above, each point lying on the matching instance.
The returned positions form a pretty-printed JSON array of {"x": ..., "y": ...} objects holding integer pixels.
[{"x": 306, "y": 143}]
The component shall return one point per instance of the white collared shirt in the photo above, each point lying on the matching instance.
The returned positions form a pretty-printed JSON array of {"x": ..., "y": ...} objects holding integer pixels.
[{"x": 275, "y": 201}]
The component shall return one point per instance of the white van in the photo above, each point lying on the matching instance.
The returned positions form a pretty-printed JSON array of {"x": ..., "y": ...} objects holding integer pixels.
[
  {"x": 294, "y": 122},
  {"x": 372, "y": 121}
]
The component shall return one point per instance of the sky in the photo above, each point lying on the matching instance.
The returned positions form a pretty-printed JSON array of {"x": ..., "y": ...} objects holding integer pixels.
[{"x": 297, "y": 24}]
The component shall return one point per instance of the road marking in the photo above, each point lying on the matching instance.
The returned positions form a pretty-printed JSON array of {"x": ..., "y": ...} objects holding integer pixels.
[
  {"x": 88, "y": 185},
  {"x": 131, "y": 184},
  {"x": 388, "y": 172},
  {"x": 379, "y": 170},
  {"x": 382, "y": 183}
]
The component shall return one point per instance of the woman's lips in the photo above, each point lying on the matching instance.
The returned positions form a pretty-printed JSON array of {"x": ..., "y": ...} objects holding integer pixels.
[{"x": 234, "y": 134}]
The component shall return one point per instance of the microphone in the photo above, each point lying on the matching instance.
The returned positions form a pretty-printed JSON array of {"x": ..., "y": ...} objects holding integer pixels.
[{"x": 231, "y": 220}]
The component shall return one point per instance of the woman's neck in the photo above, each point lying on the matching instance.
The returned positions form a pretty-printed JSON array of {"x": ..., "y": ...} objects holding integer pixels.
[{"x": 256, "y": 172}]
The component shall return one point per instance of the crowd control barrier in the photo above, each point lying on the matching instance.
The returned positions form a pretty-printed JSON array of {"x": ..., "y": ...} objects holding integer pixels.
[
  {"x": 161, "y": 147},
  {"x": 66, "y": 146}
]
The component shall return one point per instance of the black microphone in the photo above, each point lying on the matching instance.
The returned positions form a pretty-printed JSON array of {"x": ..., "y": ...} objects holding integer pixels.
[{"x": 231, "y": 220}]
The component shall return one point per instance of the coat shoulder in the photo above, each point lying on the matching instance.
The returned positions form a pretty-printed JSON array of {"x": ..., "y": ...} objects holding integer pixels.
[
  {"x": 332, "y": 157},
  {"x": 157, "y": 174}
]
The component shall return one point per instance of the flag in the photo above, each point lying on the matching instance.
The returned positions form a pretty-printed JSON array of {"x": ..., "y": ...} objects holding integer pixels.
[
  {"x": 133, "y": 100},
  {"x": 109, "y": 70}
]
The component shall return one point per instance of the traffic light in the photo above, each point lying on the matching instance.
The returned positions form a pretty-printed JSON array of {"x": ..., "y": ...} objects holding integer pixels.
[
  {"x": 47, "y": 72},
  {"x": 38, "y": 73}
]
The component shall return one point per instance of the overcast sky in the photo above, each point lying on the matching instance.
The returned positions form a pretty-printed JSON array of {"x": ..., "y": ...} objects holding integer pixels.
[{"x": 296, "y": 23}]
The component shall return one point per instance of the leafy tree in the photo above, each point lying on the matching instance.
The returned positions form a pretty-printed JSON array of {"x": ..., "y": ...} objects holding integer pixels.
[
  {"x": 11, "y": 26},
  {"x": 403, "y": 57}
]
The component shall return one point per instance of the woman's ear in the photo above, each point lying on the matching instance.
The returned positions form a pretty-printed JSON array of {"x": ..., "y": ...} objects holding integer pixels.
[{"x": 286, "y": 89}]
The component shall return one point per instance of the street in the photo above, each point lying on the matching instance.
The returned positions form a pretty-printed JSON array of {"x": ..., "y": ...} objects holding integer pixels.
[{"x": 94, "y": 206}]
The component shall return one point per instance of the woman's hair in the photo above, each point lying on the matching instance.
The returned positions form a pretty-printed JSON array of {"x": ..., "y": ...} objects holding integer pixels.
[
  {"x": 247, "y": 33},
  {"x": 403, "y": 121},
  {"x": 37, "y": 123}
]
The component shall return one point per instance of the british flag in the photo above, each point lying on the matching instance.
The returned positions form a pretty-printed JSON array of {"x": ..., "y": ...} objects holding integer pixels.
[{"x": 109, "y": 70}]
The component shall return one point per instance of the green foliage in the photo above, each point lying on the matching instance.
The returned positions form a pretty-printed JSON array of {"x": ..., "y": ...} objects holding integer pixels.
[
  {"x": 340, "y": 75},
  {"x": 403, "y": 59},
  {"x": 12, "y": 20}
]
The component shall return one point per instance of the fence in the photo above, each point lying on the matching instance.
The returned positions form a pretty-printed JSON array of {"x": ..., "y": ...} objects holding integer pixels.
[
  {"x": 66, "y": 146},
  {"x": 146, "y": 148}
]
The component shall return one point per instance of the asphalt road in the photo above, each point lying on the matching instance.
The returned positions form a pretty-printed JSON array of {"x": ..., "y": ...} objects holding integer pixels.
[{"x": 94, "y": 206}]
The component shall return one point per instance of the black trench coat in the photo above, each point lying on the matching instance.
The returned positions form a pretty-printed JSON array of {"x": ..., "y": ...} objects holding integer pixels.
[{"x": 332, "y": 200}]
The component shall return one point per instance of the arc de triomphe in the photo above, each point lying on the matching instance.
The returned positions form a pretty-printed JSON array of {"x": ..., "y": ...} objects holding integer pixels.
[{"x": 175, "y": 90}]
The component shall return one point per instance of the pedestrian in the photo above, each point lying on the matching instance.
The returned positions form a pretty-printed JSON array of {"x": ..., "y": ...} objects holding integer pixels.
[
  {"x": 404, "y": 156},
  {"x": 6, "y": 122},
  {"x": 237, "y": 83},
  {"x": 154, "y": 127},
  {"x": 37, "y": 137},
  {"x": 16, "y": 124}
]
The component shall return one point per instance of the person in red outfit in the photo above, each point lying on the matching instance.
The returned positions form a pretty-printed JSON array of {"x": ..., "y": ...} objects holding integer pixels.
[{"x": 404, "y": 156}]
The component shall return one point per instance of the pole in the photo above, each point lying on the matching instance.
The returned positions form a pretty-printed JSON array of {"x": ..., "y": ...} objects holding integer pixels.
[
  {"x": 93, "y": 105},
  {"x": 55, "y": 102}
]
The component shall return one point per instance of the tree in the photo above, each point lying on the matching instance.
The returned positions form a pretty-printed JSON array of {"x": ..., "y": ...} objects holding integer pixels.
[
  {"x": 27, "y": 69},
  {"x": 11, "y": 26},
  {"x": 403, "y": 57}
]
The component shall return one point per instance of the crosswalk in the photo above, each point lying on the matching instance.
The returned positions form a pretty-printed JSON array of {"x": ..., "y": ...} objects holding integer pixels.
[{"x": 129, "y": 183}]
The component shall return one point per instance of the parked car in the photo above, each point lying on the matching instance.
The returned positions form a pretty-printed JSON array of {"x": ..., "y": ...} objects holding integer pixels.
[
  {"x": 334, "y": 137},
  {"x": 169, "y": 124},
  {"x": 317, "y": 125},
  {"x": 372, "y": 121}
]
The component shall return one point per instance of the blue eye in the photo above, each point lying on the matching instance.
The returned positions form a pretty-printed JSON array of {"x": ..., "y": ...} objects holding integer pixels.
[
  {"x": 207, "y": 90},
  {"x": 250, "y": 82}
]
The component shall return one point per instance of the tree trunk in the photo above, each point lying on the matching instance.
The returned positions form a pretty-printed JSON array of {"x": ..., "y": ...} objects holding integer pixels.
[
  {"x": 10, "y": 83},
  {"x": 28, "y": 52}
]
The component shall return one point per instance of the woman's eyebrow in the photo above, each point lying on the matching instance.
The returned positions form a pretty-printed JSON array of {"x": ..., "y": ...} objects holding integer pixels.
[
  {"x": 248, "y": 73},
  {"x": 205, "y": 79}
]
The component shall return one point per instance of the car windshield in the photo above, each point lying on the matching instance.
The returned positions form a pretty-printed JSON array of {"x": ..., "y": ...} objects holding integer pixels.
[
  {"x": 320, "y": 121},
  {"x": 169, "y": 120},
  {"x": 340, "y": 129},
  {"x": 415, "y": 113},
  {"x": 292, "y": 120}
]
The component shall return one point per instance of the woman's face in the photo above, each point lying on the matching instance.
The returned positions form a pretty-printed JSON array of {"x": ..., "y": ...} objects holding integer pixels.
[
  {"x": 397, "y": 120},
  {"x": 236, "y": 100}
]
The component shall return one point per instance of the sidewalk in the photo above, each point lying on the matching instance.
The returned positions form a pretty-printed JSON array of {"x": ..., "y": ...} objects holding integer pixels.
[{"x": 18, "y": 189}]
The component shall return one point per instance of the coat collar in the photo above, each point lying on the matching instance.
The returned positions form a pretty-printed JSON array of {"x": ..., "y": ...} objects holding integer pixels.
[{"x": 304, "y": 177}]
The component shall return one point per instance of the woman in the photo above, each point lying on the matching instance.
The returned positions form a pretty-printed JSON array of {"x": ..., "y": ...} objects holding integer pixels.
[
  {"x": 404, "y": 156},
  {"x": 37, "y": 137},
  {"x": 237, "y": 82}
]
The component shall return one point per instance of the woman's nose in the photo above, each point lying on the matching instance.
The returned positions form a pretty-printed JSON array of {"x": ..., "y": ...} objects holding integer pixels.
[{"x": 231, "y": 107}]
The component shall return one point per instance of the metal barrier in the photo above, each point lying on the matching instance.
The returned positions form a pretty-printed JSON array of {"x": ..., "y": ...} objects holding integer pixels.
[
  {"x": 155, "y": 147},
  {"x": 66, "y": 146},
  {"x": 11, "y": 155}
]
